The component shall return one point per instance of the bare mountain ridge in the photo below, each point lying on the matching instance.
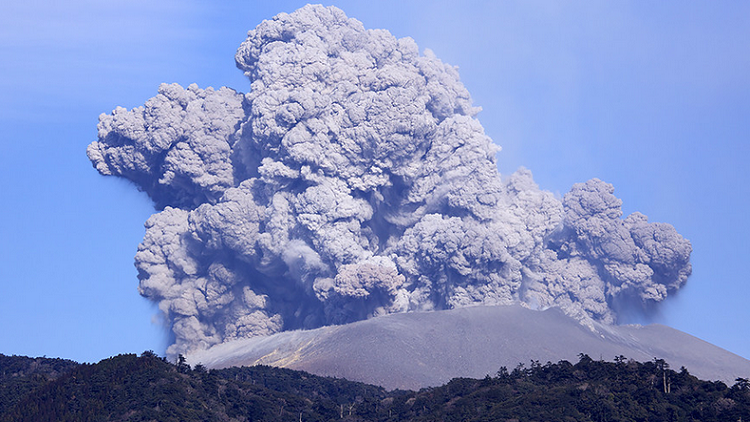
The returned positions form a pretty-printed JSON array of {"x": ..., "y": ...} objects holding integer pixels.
[{"x": 415, "y": 350}]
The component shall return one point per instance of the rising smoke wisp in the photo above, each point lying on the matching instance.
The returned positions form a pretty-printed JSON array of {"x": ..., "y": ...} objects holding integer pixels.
[{"x": 354, "y": 180}]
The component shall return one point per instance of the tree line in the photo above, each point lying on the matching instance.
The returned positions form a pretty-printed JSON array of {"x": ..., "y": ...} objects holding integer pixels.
[{"x": 149, "y": 388}]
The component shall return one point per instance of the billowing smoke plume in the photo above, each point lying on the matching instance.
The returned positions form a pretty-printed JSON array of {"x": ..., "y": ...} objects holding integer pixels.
[{"x": 353, "y": 180}]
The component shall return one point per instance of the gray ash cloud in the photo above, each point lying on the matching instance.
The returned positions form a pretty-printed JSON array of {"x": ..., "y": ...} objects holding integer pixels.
[{"x": 354, "y": 180}]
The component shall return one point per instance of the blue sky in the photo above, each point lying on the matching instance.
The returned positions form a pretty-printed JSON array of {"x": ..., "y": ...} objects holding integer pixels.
[{"x": 653, "y": 97}]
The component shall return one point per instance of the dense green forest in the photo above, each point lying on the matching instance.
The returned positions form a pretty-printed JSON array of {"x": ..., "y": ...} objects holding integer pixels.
[{"x": 148, "y": 388}]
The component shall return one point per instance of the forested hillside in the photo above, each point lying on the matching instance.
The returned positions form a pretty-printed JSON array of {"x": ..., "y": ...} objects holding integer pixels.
[
  {"x": 20, "y": 375},
  {"x": 146, "y": 388}
]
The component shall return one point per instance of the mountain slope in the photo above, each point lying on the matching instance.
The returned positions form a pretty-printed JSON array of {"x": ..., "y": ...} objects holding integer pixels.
[
  {"x": 148, "y": 388},
  {"x": 415, "y": 350},
  {"x": 19, "y": 375}
]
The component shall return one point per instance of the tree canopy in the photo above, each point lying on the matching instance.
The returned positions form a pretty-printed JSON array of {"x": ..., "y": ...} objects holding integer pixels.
[{"x": 147, "y": 387}]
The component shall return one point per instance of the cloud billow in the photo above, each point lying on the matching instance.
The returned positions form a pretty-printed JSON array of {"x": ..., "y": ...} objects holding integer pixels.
[{"x": 354, "y": 180}]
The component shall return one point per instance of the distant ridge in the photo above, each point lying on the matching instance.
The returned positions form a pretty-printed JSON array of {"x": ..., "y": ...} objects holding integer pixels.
[{"x": 415, "y": 350}]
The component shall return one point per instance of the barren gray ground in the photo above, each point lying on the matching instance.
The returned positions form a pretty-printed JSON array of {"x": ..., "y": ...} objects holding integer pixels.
[{"x": 415, "y": 350}]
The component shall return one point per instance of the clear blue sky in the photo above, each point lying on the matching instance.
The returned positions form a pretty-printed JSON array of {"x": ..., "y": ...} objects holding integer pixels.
[{"x": 653, "y": 97}]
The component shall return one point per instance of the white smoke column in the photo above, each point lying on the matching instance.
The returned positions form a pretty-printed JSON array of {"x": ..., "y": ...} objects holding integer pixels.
[{"x": 353, "y": 180}]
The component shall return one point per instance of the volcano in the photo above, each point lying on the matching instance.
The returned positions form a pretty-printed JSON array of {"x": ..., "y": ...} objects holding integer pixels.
[{"x": 424, "y": 349}]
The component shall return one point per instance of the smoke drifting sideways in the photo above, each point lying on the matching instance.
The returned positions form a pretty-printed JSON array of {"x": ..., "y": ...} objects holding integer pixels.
[{"x": 354, "y": 180}]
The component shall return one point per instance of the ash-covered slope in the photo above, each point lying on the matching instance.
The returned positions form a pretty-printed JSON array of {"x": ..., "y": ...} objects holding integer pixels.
[{"x": 415, "y": 350}]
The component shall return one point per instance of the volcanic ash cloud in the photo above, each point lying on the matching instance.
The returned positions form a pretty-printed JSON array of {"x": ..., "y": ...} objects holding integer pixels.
[{"x": 354, "y": 180}]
